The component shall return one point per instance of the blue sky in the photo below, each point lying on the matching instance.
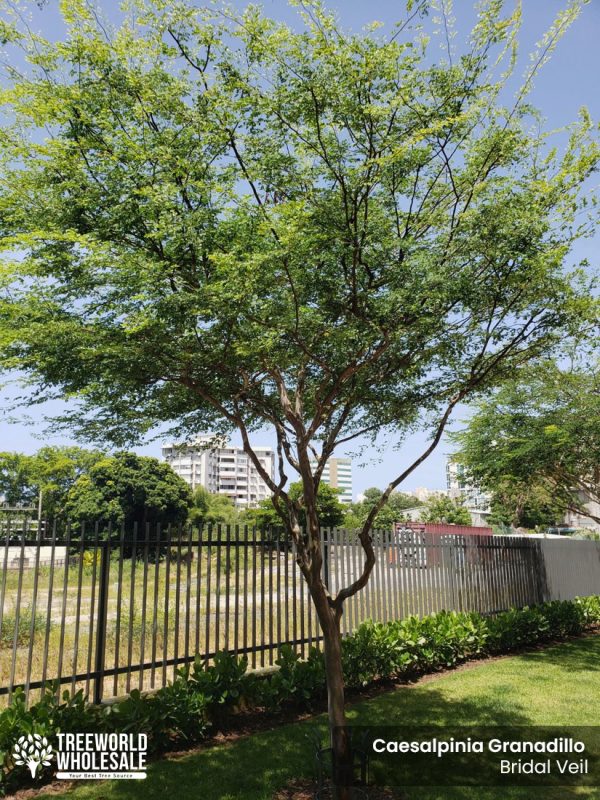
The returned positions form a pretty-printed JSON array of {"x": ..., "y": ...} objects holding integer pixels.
[{"x": 568, "y": 82}]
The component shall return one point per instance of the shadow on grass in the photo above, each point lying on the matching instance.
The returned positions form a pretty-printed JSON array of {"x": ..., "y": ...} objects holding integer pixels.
[
  {"x": 255, "y": 767},
  {"x": 577, "y": 655}
]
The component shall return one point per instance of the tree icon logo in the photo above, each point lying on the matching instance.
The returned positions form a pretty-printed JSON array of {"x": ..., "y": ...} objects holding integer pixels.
[{"x": 34, "y": 752}]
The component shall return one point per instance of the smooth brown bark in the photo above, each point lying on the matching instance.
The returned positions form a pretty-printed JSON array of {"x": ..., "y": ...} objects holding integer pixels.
[{"x": 342, "y": 761}]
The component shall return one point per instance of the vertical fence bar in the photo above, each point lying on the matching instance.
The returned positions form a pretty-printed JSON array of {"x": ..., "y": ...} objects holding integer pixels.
[
  {"x": 517, "y": 566},
  {"x": 236, "y": 596},
  {"x": 121, "y": 559},
  {"x": 393, "y": 566},
  {"x": 426, "y": 575},
  {"x": 419, "y": 575},
  {"x": 278, "y": 594},
  {"x": 155, "y": 606},
  {"x": 15, "y": 645},
  {"x": 270, "y": 556},
  {"x": 49, "y": 609},
  {"x": 208, "y": 589},
  {"x": 349, "y": 617},
  {"x": 92, "y": 611},
  {"x": 486, "y": 575},
  {"x": 166, "y": 606},
  {"x": 359, "y": 615},
  {"x": 385, "y": 575},
  {"x": 294, "y": 593},
  {"x": 219, "y": 552},
  {"x": 286, "y": 582},
  {"x": 508, "y": 593},
  {"x": 145, "y": 581},
  {"x": 133, "y": 557},
  {"x": 33, "y": 606},
  {"x": 63, "y": 614},
  {"x": 245, "y": 589},
  {"x": 198, "y": 590},
  {"x": 262, "y": 601},
  {"x": 302, "y": 613},
  {"x": 4, "y": 573},
  {"x": 254, "y": 589},
  {"x": 227, "y": 582},
  {"x": 497, "y": 581},
  {"x": 101, "y": 622},
  {"x": 177, "y": 600},
  {"x": 188, "y": 592},
  {"x": 78, "y": 607}
]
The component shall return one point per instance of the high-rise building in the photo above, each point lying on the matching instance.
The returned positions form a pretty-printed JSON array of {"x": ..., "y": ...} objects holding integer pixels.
[
  {"x": 221, "y": 468},
  {"x": 337, "y": 473},
  {"x": 460, "y": 484}
]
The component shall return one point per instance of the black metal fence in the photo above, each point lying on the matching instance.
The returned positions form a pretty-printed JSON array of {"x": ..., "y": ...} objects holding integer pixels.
[{"x": 109, "y": 611}]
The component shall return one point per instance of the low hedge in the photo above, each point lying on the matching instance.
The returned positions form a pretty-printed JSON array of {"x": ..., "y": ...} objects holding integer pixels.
[{"x": 202, "y": 699}]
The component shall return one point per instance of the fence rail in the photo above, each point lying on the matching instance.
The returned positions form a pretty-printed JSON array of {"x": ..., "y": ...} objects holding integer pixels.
[{"x": 108, "y": 611}]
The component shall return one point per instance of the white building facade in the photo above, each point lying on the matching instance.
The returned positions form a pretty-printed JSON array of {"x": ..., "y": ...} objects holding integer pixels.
[
  {"x": 222, "y": 468},
  {"x": 337, "y": 473},
  {"x": 461, "y": 485}
]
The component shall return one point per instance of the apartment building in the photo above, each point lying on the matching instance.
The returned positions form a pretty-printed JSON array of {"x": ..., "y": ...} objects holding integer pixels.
[
  {"x": 338, "y": 474},
  {"x": 460, "y": 484},
  {"x": 222, "y": 468}
]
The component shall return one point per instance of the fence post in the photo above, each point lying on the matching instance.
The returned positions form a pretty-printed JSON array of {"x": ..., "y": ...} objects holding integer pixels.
[
  {"x": 326, "y": 553},
  {"x": 101, "y": 621}
]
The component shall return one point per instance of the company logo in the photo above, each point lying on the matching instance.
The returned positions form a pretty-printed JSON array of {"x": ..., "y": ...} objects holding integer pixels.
[
  {"x": 101, "y": 756},
  {"x": 89, "y": 756},
  {"x": 34, "y": 752}
]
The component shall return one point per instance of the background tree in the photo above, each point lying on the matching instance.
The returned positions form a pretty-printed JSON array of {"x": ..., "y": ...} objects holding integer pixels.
[
  {"x": 222, "y": 222},
  {"x": 330, "y": 509},
  {"x": 536, "y": 444},
  {"x": 127, "y": 489},
  {"x": 446, "y": 509},
  {"x": 392, "y": 511},
  {"x": 212, "y": 509},
  {"x": 519, "y": 505},
  {"x": 51, "y": 471}
]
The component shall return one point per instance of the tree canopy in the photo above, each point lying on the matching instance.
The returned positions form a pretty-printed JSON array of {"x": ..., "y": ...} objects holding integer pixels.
[
  {"x": 392, "y": 512},
  {"x": 212, "y": 509},
  {"x": 536, "y": 443},
  {"x": 330, "y": 509},
  {"x": 125, "y": 489},
  {"x": 51, "y": 471},
  {"x": 446, "y": 509},
  {"x": 219, "y": 221}
]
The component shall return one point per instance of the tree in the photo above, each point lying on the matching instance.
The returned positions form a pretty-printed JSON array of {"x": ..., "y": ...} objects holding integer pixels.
[
  {"x": 392, "y": 512},
  {"x": 536, "y": 443},
  {"x": 445, "y": 509},
  {"x": 51, "y": 471},
  {"x": 228, "y": 223},
  {"x": 125, "y": 489},
  {"x": 329, "y": 508},
  {"x": 212, "y": 509}
]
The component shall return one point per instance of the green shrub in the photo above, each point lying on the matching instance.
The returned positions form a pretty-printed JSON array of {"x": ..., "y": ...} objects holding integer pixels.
[
  {"x": 205, "y": 696},
  {"x": 590, "y": 609},
  {"x": 9, "y": 623},
  {"x": 223, "y": 684},
  {"x": 298, "y": 683},
  {"x": 174, "y": 715}
]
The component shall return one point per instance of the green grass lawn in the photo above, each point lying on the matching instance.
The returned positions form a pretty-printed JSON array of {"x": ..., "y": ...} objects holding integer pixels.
[{"x": 556, "y": 686}]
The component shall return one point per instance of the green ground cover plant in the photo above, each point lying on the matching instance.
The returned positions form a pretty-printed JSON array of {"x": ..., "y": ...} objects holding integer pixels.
[
  {"x": 204, "y": 698},
  {"x": 504, "y": 691}
]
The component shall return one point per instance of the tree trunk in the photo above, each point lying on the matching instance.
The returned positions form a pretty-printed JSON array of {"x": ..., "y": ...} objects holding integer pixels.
[{"x": 342, "y": 762}]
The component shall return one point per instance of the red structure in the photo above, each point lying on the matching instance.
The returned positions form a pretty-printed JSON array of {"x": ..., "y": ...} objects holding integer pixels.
[{"x": 420, "y": 544}]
